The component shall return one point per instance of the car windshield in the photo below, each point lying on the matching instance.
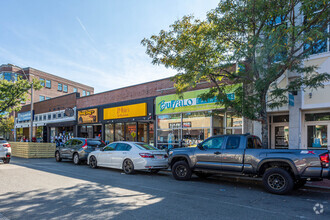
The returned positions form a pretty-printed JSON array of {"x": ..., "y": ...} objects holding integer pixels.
[
  {"x": 145, "y": 146},
  {"x": 95, "y": 143}
]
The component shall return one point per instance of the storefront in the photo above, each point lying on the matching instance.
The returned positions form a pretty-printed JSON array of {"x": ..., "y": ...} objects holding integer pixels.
[
  {"x": 89, "y": 125},
  {"x": 279, "y": 130},
  {"x": 129, "y": 121},
  {"x": 188, "y": 121}
]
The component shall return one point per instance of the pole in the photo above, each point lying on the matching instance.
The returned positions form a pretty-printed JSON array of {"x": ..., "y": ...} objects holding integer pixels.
[{"x": 31, "y": 121}]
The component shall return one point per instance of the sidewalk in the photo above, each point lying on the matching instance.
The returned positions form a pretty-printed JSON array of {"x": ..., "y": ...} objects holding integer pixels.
[{"x": 325, "y": 184}]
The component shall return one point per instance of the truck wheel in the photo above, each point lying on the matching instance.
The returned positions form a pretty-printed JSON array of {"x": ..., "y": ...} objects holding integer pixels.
[
  {"x": 181, "y": 170},
  {"x": 299, "y": 183},
  {"x": 277, "y": 181}
]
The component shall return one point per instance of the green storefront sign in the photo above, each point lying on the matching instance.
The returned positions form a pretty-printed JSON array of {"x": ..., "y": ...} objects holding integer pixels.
[{"x": 189, "y": 103}]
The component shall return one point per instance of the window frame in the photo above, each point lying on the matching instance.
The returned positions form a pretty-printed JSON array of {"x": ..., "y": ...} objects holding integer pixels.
[
  {"x": 65, "y": 88},
  {"x": 50, "y": 84},
  {"x": 59, "y": 87}
]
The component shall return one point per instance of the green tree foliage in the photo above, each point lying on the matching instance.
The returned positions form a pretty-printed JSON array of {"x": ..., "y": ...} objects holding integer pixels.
[
  {"x": 266, "y": 38},
  {"x": 13, "y": 93},
  {"x": 6, "y": 125}
]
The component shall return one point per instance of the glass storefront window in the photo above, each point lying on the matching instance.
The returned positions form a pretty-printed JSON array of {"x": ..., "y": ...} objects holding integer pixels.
[
  {"x": 169, "y": 137},
  {"x": 317, "y": 136},
  {"x": 169, "y": 121},
  {"x": 233, "y": 120},
  {"x": 131, "y": 131},
  {"x": 142, "y": 132},
  {"x": 109, "y": 134},
  {"x": 192, "y": 137},
  {"x": 325, "y": 116},
  {"x": 119, "y": 132},
  {"x": 280, "y": 118},
  {"x": 196, "y": 120},
  {"x": 281, "y": 137}
]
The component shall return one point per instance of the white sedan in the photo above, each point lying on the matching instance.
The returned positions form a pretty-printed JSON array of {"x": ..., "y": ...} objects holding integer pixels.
[{"x": 129, "y": 156}]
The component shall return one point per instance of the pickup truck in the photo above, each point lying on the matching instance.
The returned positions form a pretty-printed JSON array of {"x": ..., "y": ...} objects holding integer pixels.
[{"x": 243, "y": 155}]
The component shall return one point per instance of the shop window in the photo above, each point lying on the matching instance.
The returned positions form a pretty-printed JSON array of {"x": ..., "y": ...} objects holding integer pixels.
[
  {"x": 193, "y": 136},
  {"x": 119, "y": 132},
  {"x": 325, "y": 116},
  {"x": 280, "y": 118},
  {"x": 196, "y": 119},
  {"x": 109, "y": 133},
  {"x": 317, "y": 136},
  {"x": 151, "y": 134},
  {"x": 168, "y": 138},
  {"x": 131, "y": 131},
  {"x": 281, "y": 137},
  {"x": 232, "y": 120},
  {"x": 172, "y": 121},
  {"x": 142, "y": 132}
]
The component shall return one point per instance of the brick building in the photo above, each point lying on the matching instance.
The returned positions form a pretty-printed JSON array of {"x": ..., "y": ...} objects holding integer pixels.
[{"x": 53, "y": 86}]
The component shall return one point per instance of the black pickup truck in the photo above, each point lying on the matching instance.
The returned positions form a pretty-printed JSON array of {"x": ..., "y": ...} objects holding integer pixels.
[{"x": 243, "y": 155}]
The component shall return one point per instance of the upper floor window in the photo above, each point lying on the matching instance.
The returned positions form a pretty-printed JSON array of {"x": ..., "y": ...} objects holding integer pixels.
[
  {"x": 88, "y": 93},
  {"x": 84, "y": 93},
  {"x": 48, "y": 84},
  {"x": 48, "y": 98},
  {"x": 42, "y": 82},
  {"x": 7, "y": 76},
  {"x": 41, "y": 98},
  {"x": 59, "y": 87},
  {"x": 75, "y": 90},
  {"x": 65, "y": 88}
]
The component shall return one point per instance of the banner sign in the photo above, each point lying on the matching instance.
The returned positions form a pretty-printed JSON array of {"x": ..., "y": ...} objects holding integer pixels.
[
  {"x": 127, "y": 111},
  {"x": 88, "y": 116},
  {"x": 190, "y": 102},
  {"x": 24, "y": 116}
]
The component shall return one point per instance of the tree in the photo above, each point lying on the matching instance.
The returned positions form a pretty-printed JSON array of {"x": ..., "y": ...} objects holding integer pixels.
[
  {"x": 6, "y": 126},
  {"x": 13, "y": 93},
  {"x": 265, "y": 38}
]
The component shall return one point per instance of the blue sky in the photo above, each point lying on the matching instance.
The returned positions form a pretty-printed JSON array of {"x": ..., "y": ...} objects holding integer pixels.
[{"x": 95, "y": 42}]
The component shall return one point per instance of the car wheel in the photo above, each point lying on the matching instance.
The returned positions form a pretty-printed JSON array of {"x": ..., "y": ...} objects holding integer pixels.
[
  {"x": 93, "y": 162},
  {"x": 58, "y": 157},
  {"x": 181, "y": 170},
  {"x": 277, "y": 181},
  {"x": 76, "y": 159},
  {"x": 154, "y": 171},
  {"x": 299, "y": 183},
  {"x": 128, "y": 166},
  {"x": 6, "y": 160},
  {"x": 203, "y": 175}
]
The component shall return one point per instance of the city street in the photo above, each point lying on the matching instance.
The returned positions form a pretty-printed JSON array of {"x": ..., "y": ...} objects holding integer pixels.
[{"x": 45, "y": 189}]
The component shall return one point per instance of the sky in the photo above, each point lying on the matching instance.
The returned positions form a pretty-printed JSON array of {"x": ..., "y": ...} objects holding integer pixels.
[{"x": 94, "y": 42}]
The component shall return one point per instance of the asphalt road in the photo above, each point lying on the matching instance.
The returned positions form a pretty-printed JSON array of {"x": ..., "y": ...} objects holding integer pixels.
[{"x": 45, "y": 189}]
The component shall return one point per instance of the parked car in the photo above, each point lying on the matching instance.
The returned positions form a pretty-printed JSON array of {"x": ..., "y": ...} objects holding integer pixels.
[
  {"x": 281, "y": 169},
  {"x": 5, "y": 151},
  {"x": 129, "y": 156},
  {"x": 77, "y": 149}
]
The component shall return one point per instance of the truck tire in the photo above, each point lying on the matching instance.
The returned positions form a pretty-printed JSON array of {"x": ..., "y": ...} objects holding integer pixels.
[
  {"x": 278, "y": 181},
  {"x": 181, "y": 170}
]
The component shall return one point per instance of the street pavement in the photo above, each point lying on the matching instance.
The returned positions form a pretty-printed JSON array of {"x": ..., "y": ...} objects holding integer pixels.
[{"x": 45, "y": 189}]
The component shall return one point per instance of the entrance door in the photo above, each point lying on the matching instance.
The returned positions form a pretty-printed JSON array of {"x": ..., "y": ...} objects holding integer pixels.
[
  {"x": 210, "y": 156},
  {"x": 280, "y": 135}
]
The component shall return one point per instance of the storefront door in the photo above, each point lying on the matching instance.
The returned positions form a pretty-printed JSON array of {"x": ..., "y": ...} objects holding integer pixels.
[{"x": 280, "y": 135}]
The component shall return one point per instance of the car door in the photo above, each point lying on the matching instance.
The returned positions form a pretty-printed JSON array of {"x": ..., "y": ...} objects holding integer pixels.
[
  {"x": 208, "y": 153},
  {"x": 119, "y": 155},
  {"x": 64, "y": 149},
  {"x": 105, "y": 156},
  {"x": 232, "y": 156}
]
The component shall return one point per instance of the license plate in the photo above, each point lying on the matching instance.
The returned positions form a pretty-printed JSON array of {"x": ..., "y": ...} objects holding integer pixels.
[{"x": 159, "y": 157}]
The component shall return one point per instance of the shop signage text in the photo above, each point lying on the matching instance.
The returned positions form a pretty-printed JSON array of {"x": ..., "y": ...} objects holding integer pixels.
[
  {"x": 127, "y": 111},
  {"x": 190, "y": 102},
  {"x": 87, "y": 116},
  {"x": 24, "y": 116}
]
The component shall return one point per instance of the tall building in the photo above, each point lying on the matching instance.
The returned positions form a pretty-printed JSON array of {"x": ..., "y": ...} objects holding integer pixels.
[{"x": 53, "y": 86}]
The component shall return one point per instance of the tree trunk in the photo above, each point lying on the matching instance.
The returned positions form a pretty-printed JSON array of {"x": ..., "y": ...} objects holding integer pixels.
[{"x": 264, "y": 125}]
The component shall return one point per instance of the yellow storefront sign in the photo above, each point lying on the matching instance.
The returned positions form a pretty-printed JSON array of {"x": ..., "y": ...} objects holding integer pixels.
[
  {"x": 87, "y": 116},
  {"x": 127, "y": 111}
]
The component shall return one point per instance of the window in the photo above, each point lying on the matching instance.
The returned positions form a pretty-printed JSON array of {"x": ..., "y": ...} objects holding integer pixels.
[
  {"x": 42, "y": 82},
  {"x": 123, "y": 147},
  {"x": 110, "y": 147},
  {"x": 47, "y": 98},
  {"x": 88, "y": 93},
  {"x": 41, "y": 98},
  {"x": 54, "y": 116},
  {"x": 317, "y": 136},
  {"x": 325, "y": 116},
  {"x": 65, "y": 88},
  {"x": 254, "y": 143},
  {"x": 48, "y": 84},
  {"x": 36, "y": 118},
  {"x": 59, "y": 115},
  {"x": 233, "y": 142},
  {"x": 45, "y": 117},
  {"x": 84, "y": 93},
  {"x": 75, "y": 90},
  {"x": 59, "y": 87},
  {"x": 40, "y": 117},
  {"x": 7, "y": 76},
  {"x": 213, "y": 143},
  {"x": 145, "y": 147},
  {"x": 49, "y": 117},
  {"x": 95, "y": 143}
]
